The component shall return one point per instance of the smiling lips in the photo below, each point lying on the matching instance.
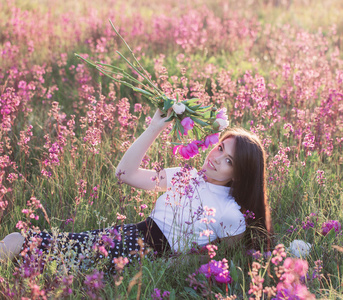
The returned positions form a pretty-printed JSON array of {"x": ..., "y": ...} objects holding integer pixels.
[{"x": 211, "y": 165}]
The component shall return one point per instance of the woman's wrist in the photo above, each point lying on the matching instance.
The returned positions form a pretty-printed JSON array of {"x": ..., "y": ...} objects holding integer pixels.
[{"x": 156, "y": 128}]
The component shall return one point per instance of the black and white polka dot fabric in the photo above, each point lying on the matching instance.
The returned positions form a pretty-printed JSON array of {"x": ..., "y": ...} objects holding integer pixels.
[{"x": 96, "y": 246}]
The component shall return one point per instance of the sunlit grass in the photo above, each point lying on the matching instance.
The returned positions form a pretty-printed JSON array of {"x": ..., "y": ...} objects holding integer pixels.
[{"x": 226, "y": 72}]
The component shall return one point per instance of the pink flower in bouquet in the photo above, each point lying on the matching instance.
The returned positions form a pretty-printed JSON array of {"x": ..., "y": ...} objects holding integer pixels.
[
  {"x": 222, "y": 114},
  {"x": 187, "y": 124},
  {"x": 210, "y": 140},
  {"x": 187, "y": 151},
  {"x": 221, "y": 121}
]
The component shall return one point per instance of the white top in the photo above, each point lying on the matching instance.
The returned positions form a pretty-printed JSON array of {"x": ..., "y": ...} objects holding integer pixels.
[{"x": 184, "y": 213}]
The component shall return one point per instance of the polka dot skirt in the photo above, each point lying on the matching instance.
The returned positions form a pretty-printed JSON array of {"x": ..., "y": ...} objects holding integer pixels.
[
  {"x": 80, "y": 250},
  {"x": 85, "y": 248}
]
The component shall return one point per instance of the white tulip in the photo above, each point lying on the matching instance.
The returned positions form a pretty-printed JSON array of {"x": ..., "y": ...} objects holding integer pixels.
[
  {"x": 179, "y": 108},
  {"x": 299, "y": 248}
]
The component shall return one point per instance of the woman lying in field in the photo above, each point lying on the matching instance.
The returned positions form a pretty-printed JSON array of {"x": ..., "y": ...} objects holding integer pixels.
[{"x": 196, "y": 207}]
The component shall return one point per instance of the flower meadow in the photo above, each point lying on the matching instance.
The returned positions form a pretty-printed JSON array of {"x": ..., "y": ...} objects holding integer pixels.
[{"x": 273, "y": 67}]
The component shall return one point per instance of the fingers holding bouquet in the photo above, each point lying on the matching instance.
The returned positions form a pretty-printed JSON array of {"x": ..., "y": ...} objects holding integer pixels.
[{"x": 161, "y": 120}]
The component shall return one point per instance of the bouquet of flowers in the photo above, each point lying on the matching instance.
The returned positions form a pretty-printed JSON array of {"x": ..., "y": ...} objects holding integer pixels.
[{"x": 191, "y": 119}]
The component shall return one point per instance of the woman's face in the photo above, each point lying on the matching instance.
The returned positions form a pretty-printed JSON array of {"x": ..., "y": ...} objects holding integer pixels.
[{"x": 219, "y": 163}]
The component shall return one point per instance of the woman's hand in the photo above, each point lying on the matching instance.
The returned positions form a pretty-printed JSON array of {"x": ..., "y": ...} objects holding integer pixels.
[{"x": 158, "y": 122}]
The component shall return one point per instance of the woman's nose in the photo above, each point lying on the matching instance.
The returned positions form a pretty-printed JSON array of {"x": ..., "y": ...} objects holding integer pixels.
[{"x": 217, "y": 159}]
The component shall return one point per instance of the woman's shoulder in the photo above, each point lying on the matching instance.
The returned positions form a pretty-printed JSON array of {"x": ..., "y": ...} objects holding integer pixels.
[{"x": 180, "y": 172}]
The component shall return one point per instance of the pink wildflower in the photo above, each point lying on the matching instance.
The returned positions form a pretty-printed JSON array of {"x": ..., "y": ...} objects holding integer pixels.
[
  {"x": 211, "y": 250},
  {"x": 120, "y": 217},
  {"x": 206, "y": 232},
  {"x": 279, "y": 253},
  {"x": 137, "y": 107},
  {"x": 290, "y": 286},
  {"x": 120, "y": 263}
]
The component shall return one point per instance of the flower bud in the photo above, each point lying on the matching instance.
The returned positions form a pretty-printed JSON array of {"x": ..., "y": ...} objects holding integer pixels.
[
  {"x": 220, "y": 124},
  {"x": 222, "y": 114},
  {"x": 179, "y": 108}
]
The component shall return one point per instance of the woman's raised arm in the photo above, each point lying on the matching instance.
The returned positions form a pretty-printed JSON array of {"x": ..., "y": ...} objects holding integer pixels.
[{"x": 129, "y": 166}]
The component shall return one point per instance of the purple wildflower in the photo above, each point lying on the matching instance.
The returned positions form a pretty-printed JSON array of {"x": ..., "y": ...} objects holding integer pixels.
[
  {"x": 156, "y": 295},
  {"x": 249, "y": 215},
  {"x": 218, "y": 269},
  {"x": 331, "y": 224},
  {"x": 94, "y": 283}
]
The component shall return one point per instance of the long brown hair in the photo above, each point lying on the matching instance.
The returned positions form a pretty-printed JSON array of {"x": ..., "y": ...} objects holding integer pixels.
[{"x": 249, "y": 184}]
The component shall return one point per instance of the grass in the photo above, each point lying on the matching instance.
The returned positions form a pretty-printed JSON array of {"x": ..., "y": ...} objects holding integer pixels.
[{"x": 293, "y": 196}]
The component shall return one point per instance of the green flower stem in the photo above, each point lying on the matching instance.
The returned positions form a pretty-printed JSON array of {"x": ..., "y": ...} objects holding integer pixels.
[
  {"x": 134, "y": 57},
  {"x": 126, "y": 76}
]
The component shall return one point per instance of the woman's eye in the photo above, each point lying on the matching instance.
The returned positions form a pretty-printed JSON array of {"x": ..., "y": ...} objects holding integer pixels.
[
  {"x": 220, "y": 148},
  {"x": 228, "y": 161}
]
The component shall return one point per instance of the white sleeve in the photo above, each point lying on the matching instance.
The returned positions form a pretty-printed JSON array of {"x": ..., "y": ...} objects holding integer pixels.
[{"x": 170, "y": 173}]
